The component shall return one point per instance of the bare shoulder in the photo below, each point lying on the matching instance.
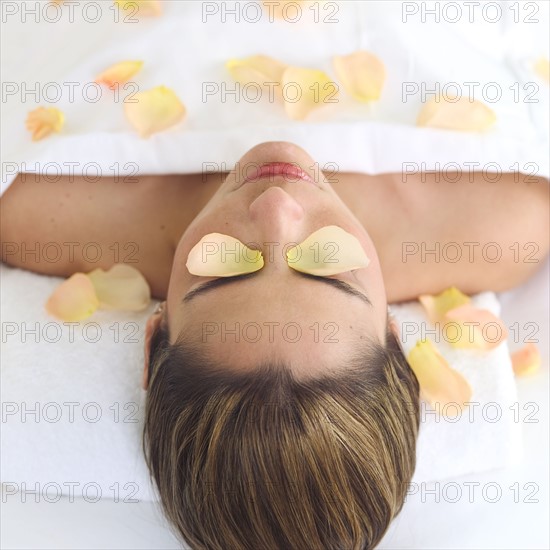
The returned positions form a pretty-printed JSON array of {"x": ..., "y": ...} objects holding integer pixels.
[
  {"x": 477, "y": 232},
  {"x": 73, "y": 224}
]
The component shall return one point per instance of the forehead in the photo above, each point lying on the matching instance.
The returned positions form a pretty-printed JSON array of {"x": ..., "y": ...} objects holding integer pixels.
[{"x": 306, "y": 325}]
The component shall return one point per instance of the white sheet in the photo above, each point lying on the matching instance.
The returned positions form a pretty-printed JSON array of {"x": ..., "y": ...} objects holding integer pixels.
[{"x": 183, "y": 53}]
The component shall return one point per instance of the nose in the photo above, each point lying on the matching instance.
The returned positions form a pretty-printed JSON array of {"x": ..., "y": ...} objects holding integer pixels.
[{"x": 275, "y": 211}]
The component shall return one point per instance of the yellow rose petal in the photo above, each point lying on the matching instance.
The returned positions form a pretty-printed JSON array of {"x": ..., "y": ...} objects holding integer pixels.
[
  {"x": 305, "y": 90},
  {"x": 119, "y": 73},
  {"x": 74, "y": 299},
  {"x": 43, "y": 121},
  {"x": 474, "y": 328},
  {"x": 154, "y": 110},
  {"x": 437, "y": 306},
  {"x": 147, "y": 8},
  {"x": 542, "y": 68},
  {"x": 361, "y": 73},
  {"x": 122, "y": 287},
  {"x": 439, "y": 383},
  {"x": 460, "y": 114},
  {"x": 217, "y": 255},
  {"x": 526, "y": 361},
  {"x": 258, "y": 69},
  {"x": 328, "y": 251}
]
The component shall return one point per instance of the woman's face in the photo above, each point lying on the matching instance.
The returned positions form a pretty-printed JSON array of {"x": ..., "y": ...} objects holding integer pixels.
[{"x": 276, "y": 313}]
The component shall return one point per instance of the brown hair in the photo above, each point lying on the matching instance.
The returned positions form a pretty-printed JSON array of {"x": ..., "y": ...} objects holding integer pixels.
[{"x": 260, "y": 460}]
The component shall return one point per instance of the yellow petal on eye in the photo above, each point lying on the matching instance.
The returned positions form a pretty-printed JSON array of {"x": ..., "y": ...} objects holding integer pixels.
[
  {"x": 258, "y": 69},
  {"x": 217, "y": 255},
  {"x": 43, "y": 121},
  {"x": 460, "y": 114},
  {"x": 119, "y": 73},
  {"x": 305, "y": 90},
  {"x": 439, "y": 383},
  {"x": 74, "y": 299},
  {"x": 542, "y": 68},
  {"x": 473, "y": 328},
  {"x": 361, "y": 73},
  {"x": 328, "y": 251},
  {"x": 122, "y": 287},
  {"x": 437, "y": 306},
  {"x": 154, "y": 110},
  {"x": 526, "y": 361},
  {"x": 147, "y": 8}
]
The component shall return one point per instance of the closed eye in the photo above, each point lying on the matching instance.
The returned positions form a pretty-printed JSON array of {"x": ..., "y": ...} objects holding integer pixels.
[{"x": 224, "y": 281}]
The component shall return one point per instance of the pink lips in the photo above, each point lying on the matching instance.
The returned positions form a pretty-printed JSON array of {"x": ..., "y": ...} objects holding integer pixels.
[{"x": 288, "y": 171}]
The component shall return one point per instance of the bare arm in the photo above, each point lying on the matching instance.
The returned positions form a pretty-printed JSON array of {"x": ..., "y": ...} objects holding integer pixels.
[{"x": 72, "y": 225}]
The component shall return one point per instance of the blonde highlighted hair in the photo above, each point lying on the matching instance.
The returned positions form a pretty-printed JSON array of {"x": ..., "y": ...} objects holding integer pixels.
[{"x": 263, "y": 461}]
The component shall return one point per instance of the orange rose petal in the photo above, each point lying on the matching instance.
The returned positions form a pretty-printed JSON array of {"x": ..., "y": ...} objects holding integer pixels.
[
  {"x": 154, "y": 110},
  {"x": 439, "y": 383},
  {"x": 361, "y": 73},
  {"x": 475, "y": 328},
  {"x": 437, "y": 306},
  {"x": 74, "y": 299},
  {"x": 542, "y": 68},
  {"x": 526, "y": 361},
  {"x": 306, "y": 90},
  {"x": 463, "y": 115},
  {"x": 122, "y": 287},
  {"x": 119, "y": 73},
  {"x": 43, "y": 121},
  {"x": 258, "y": 69},
  {"x": 147, "y": 8}
]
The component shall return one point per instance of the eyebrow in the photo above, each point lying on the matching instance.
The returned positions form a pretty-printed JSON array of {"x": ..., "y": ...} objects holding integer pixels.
[{"x": 224, "y": 281}]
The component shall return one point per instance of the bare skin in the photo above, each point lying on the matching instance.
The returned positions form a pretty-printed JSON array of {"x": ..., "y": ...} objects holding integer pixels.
[
  {"x": 141, "y": 222},
  {"x": 421, "y": 235}
]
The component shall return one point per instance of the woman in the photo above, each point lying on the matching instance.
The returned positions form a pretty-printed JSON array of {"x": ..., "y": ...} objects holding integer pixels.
[{"x": 300, "y": 434}]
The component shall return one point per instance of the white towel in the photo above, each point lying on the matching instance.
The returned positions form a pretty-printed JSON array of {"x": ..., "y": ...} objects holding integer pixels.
[
  {"x": 183, "y": 53},
  {"x": 486, "y": 434},
  {"x": 83, "y": 381}
]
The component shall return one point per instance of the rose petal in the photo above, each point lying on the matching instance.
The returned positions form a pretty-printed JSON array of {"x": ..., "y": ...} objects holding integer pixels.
[
  {"x": 361, "y": 73},
  {"x": 439, "y": 383},
  {"x": 437, "y": 306},
  {"x": 258, "y": 69},
  {"x": 475, "y": 328},
  {"x": 526, "y": 361},
  {"x": 154, "y": 110},
  {"x": 122, "y": 287},
  {"x": 43, "y": 121},
  {"x": 74, "y": 299},
  {"x": 463, "y": 115},
  {"x": 306, "y": 90},
  {"x": 217, "y": 255},
  {"x": 147, "y": 8},
  {"x": 328, "y": 251},
  {"x": 542, "y": 68},
  {"x": 119, "y": 73}
]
